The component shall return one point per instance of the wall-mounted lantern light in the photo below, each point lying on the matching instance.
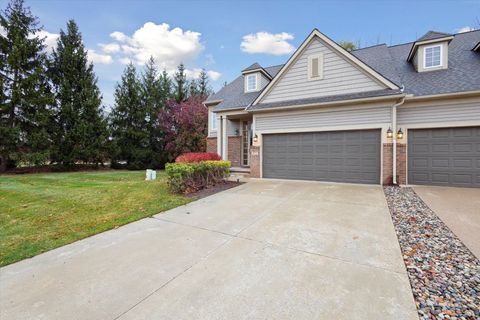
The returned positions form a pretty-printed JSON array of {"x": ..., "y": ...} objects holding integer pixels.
[
  {"x": 389, "y": 133},
  {"x": 255, "y": 139},
  {"x": 237, "y": 132},
  {"x": 400, "y": 134}
]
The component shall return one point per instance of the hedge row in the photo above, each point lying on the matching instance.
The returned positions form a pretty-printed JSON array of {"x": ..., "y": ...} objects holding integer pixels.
[{"x": 191, "y": 177}]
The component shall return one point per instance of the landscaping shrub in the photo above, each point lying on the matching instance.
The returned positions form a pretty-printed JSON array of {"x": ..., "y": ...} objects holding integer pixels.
[
  {"x": 191, "y": 177},
  {"x": 197, "y": 157}
]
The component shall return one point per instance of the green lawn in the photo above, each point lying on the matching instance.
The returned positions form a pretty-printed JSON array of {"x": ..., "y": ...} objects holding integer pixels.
[{"x": 39, "y": 212}]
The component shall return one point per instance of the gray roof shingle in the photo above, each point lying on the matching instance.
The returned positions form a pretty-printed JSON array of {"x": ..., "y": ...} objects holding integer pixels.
[
  {"x": 462, "y": 74},
  {"x": 253, "y": 67}
]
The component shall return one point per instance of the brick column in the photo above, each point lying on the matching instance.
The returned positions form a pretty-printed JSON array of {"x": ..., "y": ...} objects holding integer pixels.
[
  {"x": 212, "y": 144},
  {"x": 255, "y": 161},
  {"x": 234, "y": 150},
  {"x": 388, "y": 163}
]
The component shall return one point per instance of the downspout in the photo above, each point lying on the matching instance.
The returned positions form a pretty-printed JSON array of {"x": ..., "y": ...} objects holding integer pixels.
[{"x": 394, "y": 145}]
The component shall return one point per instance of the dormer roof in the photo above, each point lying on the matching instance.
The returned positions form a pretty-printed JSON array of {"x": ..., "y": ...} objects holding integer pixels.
[
  {"x": 257, "y": 68},
  {"x": 429, "y": 37}
]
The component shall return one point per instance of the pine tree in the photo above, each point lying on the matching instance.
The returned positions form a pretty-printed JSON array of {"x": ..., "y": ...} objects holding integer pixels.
[
  {"x": 128, "y": 122},
  {"x": 165, "y": 87},
  {"x": 193, "y": 88},
  {"x": 152, "y": 103},
  {"x": 80, "y": 128},
  {"x": 180, "y": 84},
  {"x": 26, "y": 95},
  {"x": 204, "y": 88}
]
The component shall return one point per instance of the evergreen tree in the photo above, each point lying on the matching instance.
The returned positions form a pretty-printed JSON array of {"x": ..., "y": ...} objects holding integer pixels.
[
  {"x": 180, "y": 84},
  {"x": 152, "y": 95},
  {"x": 26, "y": 95},
  {"x": 204, "y": 88},
  {"x": 165, "y": 87},
  {"x": 128, "y": 122},
  {"x": 80, "y": 128},
  {"x": 193, "y": 88}
]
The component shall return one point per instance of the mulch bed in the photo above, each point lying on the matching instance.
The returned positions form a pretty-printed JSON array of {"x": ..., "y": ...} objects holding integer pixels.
[
  {"x": 444, "y": 274},
  {"x": 213, "y": 189}
]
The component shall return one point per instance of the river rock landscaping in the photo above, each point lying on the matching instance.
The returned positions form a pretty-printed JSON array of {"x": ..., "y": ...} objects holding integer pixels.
[{"x": 444, "y": 274}]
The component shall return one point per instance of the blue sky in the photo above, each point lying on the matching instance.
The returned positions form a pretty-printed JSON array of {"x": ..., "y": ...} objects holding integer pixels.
[{"x": 209, "y": 34}]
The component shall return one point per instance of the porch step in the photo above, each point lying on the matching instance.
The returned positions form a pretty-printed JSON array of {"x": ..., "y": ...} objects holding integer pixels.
[{"x": 239, "y": 170}]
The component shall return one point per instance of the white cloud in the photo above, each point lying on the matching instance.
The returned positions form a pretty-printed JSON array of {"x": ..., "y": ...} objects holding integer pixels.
[
  {"x": 169, "y": 47},
  {"x": 99, "y": 58},
  {"x": 209, "y": 59},
  {"x": 125, "y": 60},
  {"x": 3, "y": 32},
  {"x": 264, "y": 42},
  {"x": 110, "y": 47},
  {"x": 464, "y": 29},
  {"x": 50, "y": 39},
  {"x": 214, "y": 75},
  {"x": 195, "y": 74}
]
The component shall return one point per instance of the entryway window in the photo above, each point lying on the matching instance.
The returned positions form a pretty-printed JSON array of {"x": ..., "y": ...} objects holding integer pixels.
[{"x": 213, "y": 120}]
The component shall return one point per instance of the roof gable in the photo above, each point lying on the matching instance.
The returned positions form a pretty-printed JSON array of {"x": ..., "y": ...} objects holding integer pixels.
[
  {"x": 355, "y": 75},
  {"x": 431, "y": 35}
]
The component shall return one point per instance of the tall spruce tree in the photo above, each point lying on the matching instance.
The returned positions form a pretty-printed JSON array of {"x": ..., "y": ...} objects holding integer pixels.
[
  {"x": 180, "y": 83},
  {"x": 80, "y": 128},
  {"x": 204, "y": 88},
  {"x": 128, "y": 122},
  {"x": 152, "y": 103},
  {"x": 26, "y": 95}
]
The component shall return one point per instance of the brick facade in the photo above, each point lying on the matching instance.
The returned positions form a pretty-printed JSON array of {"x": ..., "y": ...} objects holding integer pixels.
[
  {"x": 255, "y": 162},
  {"x": 212, "y": 145},
  {"x": 234, "y": 150},
  {"x": 401, "y": 163}
]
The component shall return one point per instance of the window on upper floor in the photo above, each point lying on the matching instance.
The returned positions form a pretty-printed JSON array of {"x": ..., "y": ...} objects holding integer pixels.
[
  {"x": 432, "y": 56},
  {"x": 315, "y": 67},
  {"x": 251, "y": 83},
  {"x": 213, "y": 121}
]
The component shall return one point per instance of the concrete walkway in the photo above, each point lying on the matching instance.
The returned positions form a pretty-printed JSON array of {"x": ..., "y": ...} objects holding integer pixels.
[
  {"x": 459, "y": 209},
  {"x": 264, "y": 250}
]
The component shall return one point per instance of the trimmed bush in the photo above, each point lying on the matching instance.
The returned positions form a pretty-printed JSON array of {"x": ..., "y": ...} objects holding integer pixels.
[
  {"x": 191, "y": 177},
  {"x": 197, "y": 157}
]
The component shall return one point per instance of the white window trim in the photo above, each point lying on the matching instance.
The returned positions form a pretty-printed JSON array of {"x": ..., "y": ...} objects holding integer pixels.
[
  {"x": 256, "y": 82},
  {"x": 318, "y": 56},
  {"x": 212, "y": 128},
  {"x": 425, "y": 56}
]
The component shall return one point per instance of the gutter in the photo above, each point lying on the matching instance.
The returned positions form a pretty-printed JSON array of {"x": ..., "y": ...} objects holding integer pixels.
[{"x": 394, "y": 144}]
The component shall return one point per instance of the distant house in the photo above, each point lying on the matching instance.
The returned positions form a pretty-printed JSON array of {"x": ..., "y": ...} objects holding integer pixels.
[{"x": 333, "y": 115}]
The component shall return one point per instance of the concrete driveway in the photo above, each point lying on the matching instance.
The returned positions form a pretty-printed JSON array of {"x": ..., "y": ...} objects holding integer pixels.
[
  {"x": 264, "y": 250},
  {"x": 459, "y": 209}
]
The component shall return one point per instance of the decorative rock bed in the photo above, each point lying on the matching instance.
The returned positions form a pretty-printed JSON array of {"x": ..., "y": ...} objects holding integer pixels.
[{"x": 444, "y": 274}]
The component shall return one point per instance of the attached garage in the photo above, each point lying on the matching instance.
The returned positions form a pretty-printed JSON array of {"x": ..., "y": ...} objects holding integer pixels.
[
  {"x": 444, "y": 156},
  {"x": 336, "y": 156}
]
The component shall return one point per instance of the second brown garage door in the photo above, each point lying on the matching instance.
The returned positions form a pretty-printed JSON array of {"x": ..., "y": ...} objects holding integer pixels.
[
  {"x": 444, "y": 156},
  {"x": 337, "y": 156}
]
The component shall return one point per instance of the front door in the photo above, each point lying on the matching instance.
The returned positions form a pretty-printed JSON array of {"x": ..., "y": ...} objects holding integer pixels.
[{"x": 245, "y": 143}]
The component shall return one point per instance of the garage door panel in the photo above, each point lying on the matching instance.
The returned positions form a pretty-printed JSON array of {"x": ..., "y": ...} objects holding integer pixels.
[
  {"x": 341, "y": 156},
  {"x": 445, "y": 156}
]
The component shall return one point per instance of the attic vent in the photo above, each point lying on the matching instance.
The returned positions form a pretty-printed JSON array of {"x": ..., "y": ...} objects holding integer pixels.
[{"x": 315, "y": 67}]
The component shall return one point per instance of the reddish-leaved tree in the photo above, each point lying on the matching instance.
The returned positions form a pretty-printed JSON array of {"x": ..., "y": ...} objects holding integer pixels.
[{"x": 184, "y": 125}]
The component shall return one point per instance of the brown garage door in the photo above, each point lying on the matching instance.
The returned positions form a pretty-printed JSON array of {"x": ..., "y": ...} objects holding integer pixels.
[
  {"x": 338, "y": 156},
  {"x": 444, "y": 156}
]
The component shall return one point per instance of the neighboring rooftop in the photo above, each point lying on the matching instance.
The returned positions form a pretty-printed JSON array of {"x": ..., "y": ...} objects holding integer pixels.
[{"x": 463, "y": 73}]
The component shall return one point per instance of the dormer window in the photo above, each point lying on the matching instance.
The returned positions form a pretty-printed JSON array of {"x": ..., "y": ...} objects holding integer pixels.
[
  {"x": 251, "y": 82},
  {"x": 315, "y": 67},
  {"x": 432, "y": 56}
]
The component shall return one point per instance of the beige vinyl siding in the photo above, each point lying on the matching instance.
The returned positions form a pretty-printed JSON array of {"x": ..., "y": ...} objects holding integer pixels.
[
  {"x": 331, "y": 117},
  {"x": 339, "y": 77},
  {"x": 451, "y": 112}
]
